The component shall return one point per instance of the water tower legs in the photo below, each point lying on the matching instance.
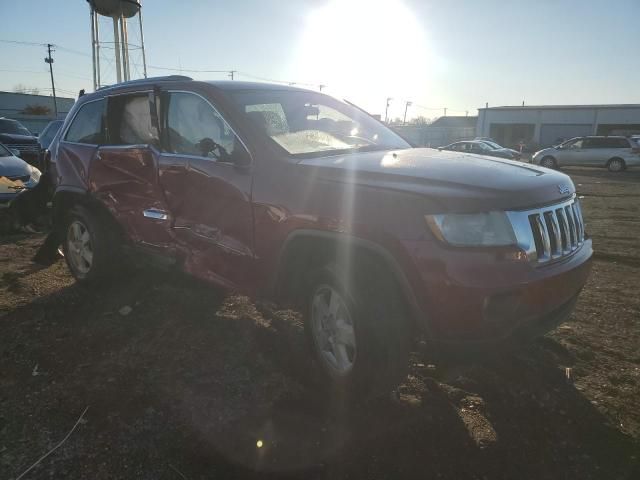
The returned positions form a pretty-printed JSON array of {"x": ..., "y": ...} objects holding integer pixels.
[
  {"x": 144, "y": 55},
  {"x": 119, "y": 11},
  {"x": 116, "y": 44},
  {"x": 93, "y": 47},
  {"x": 125, "y": 48}
]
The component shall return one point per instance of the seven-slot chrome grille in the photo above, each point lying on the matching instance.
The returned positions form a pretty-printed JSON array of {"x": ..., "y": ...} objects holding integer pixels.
[{"x": 549, "y": 233}]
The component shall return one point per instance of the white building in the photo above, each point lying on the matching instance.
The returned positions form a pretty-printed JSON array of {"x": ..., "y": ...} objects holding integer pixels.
[
  {"x": 545, "y": 125},
  {"x": 33, "y": 111}
]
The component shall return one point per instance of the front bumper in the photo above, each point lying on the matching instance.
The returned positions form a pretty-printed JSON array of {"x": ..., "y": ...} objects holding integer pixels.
[{"x": 475, "y": 296}]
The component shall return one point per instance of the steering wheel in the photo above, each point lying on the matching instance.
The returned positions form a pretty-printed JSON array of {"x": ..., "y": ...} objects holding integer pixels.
[{"x": 209, "y": 147}]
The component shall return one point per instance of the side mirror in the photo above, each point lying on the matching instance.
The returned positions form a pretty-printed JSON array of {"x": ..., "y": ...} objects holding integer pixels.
[{"x": 15, "y": 152}]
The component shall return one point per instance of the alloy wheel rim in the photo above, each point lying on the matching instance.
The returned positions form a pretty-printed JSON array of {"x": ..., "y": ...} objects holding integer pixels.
[
  {"x": 333, "y": 330},
  {"x": 547, "y": 163},
  {"x": 79, "y": 247},
  {"x": 615, "y": 165}
]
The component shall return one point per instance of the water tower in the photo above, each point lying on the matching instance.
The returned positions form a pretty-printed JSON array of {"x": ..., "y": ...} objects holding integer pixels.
[{"x": 122, "y": 13}]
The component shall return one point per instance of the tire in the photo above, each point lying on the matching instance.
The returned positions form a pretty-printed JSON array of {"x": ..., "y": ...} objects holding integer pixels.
[
  {"x": 549, "y": 162},
  {"x": 368, "y": 323},
  {"x": 616, "y": 165},
  {"x": 90, "y": 248}
]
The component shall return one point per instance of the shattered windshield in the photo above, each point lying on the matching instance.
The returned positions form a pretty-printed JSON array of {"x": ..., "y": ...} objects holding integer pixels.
[{"x": 312, "y": 124}]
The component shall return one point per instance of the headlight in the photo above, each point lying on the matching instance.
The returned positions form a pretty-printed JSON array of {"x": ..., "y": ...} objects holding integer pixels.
[
  {"x": 35, "y": 173},
  {"x": 472, "y": 230}
]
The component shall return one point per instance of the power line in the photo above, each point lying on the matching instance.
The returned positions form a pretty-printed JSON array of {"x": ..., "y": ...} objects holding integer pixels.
[
  {"x": 43, "y": 72},
  {"x": 232, "y": 73},
  {"x": 17, "y": 42}
]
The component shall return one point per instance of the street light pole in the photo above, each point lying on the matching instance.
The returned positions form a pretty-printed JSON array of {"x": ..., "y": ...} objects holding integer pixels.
[
  {"x": 386, "y": 110},
  {"x": 406, "y": 107},
  {"x": 49, "y": 60}
]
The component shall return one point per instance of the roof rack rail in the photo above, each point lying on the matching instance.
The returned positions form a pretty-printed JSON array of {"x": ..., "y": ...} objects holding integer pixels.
[{"x": 149, "y": 79}]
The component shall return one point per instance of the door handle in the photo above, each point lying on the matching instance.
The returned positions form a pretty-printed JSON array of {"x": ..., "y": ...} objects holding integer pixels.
[{"x": 155, "y": 214}]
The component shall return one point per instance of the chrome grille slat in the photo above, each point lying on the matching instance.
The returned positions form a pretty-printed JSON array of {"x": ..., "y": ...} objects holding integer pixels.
[
  {"x": 546, "y": 243},
  {"x": 575, "y": 210},
  {"x": 572, "y": 228},
  {"x": 551, "y": 233},
  {"x": 564, "y": 225},
  {"x": 555, "y": 229}
]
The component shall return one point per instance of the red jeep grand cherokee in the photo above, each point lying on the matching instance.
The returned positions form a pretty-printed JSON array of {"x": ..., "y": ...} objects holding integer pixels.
[{"x": 278, "y": 191}]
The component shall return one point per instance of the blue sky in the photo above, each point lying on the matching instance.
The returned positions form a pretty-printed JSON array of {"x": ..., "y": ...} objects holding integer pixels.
[{"x": 454, "y": 54}]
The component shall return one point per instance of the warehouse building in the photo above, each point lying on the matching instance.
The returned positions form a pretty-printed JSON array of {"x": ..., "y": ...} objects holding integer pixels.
[
  {"x": 33, "y": 111},
  {"x": 542, "y": 126}
]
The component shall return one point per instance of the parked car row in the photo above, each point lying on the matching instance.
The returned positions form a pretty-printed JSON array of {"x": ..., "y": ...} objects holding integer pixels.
[
  {"x": 22, "y": 157},
  {"x": 16, "y": 175},
  {"x": 30, "y": 147},
  {"x": 613, "y": 152},
  {"x": 483, "y": 147}
]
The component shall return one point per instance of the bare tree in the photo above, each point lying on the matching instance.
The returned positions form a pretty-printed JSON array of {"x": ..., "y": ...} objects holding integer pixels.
[
  {"x": 22, "y": 88},
  {"x": 420, "y": 121}
]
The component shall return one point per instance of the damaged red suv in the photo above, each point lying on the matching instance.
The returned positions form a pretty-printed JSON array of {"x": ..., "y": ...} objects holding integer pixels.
[{"x": 281, "y": 192}]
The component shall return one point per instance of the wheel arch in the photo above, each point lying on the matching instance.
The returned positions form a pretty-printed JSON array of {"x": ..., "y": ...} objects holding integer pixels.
[
  {"x": 303, "y": 249},
  {"x": 67, "y": 197}
]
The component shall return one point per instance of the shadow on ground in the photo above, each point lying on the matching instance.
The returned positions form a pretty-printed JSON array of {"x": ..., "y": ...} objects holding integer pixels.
[{"x": 188, "y": 383}]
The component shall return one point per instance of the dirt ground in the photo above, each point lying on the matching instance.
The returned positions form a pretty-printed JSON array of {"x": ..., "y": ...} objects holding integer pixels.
[{"x": 188, "y": 383}]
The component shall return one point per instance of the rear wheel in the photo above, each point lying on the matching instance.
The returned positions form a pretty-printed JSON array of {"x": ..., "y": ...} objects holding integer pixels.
[
  {"x": 90, "y": 248},
  {"x": 616, "y": 165},
  {"x": 549, "y": 162},
  {"x": 358, "y": 332}
]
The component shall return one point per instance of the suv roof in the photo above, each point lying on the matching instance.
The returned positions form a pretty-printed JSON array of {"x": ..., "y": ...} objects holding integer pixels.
[
  {"x": 142, "y": 81},
  {"x": 222, "y": 84}
]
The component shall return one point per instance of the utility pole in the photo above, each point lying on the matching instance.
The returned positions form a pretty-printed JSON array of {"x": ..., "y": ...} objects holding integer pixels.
[
  {"x": 445, "y": 111},
  {"x": 406, "y": 107},
  {"x": 232, "y": 73},
  {"x": 49, "y": 60},
  {"x": 321, "y": 86},
  {"x": 466, "y": 113},
  {"x": 386, "y": 110}
]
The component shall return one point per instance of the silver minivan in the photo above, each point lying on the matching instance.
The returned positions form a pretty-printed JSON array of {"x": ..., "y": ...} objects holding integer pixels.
[{"x": 614, "y": 152}]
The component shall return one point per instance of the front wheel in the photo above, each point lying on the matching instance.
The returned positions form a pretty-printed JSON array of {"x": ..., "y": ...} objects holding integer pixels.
[{"x": 358, "y": 332}]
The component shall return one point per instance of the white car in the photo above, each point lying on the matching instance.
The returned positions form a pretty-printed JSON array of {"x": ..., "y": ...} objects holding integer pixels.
[
  {"x": 614, "y": 152},
  {"x": 16, "y": 175}
]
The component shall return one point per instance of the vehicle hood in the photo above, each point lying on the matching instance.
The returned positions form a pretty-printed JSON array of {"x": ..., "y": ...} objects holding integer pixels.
[
  {"x": 9, "y": 138},
  {"x": 13, "y": 167},
  {"x": 455, "y": 181}
]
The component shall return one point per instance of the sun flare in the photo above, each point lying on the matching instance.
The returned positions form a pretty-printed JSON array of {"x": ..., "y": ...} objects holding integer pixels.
[{"x": 365, "y": 50}]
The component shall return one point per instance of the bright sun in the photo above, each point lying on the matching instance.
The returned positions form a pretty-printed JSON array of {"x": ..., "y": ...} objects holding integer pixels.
[{"x": 365, "y": 50}]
